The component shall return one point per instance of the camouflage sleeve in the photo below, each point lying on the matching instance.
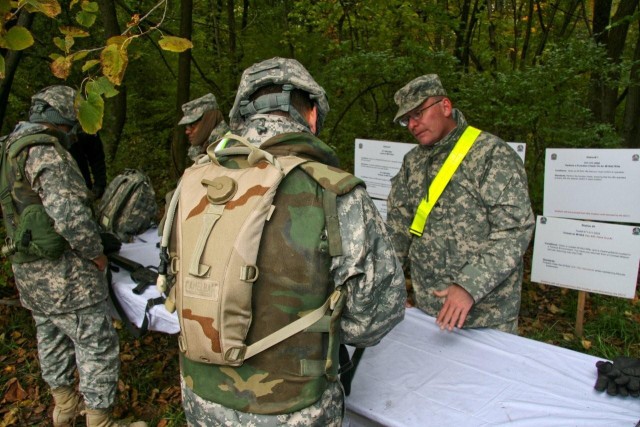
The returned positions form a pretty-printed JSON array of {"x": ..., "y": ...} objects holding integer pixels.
[
  {"x": 508, "y": 209},
  {"x": 398, "y": 215},
  {"x": 369, "y": 271},
  {"x": 64, "y": 196}
]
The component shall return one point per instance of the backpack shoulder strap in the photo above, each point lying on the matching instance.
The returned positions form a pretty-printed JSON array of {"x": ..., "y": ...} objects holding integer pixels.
[
  {"x": 335, "y": 182},
  {"x": 20, "y": 144}
]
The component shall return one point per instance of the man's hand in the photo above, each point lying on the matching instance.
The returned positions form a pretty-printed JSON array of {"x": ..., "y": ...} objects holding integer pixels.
[
  {"x": 100, "y": 262},
  {"x": 457, "y": 303}
]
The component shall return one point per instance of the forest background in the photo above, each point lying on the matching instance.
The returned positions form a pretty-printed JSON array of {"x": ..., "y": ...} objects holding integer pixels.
[{"x": 557, "y": 73}]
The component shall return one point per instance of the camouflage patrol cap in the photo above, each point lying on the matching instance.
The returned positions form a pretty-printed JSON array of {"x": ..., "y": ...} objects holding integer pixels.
[
  {"x": 278, "y": 71},
  {"x": 416, "y": 92},
  {"x": 193, "y": 110},
  {"x": 59, "y": 98}
]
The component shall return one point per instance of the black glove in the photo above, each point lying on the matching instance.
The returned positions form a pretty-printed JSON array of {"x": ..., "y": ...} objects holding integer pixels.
[
  {"x": 110, "y": 243},
  {"x": 620, "y": 377},
  {"x": 629, "y": 379}
]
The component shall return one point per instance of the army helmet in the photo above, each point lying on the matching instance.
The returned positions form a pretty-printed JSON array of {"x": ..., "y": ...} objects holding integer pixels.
[
  {"x": 59, "y": 98},
  {"x": 277, "y": 71}
]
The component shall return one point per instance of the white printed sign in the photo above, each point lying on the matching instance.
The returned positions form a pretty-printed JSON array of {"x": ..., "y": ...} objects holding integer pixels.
[
  {"x": 520, "y": 148},
  {"x": 376, "y": 162},
  {"x": 381, "y": 205},
  {"x": 593, "y": 184},
  {"x": 587, "y": 256}
]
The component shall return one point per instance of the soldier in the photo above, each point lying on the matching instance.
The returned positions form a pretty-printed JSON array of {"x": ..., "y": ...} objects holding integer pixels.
[
  {"x": 280, "y": 107},
  {"x": 465, "y": 254},
  {"x": 205, "y": 124},
  {"x": 58, "y": 260}
]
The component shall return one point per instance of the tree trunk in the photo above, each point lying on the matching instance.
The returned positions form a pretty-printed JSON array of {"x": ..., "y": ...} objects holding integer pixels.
[
  {"x": 527, "y": 37},
  {"x": 179, "y": 141},
  {"x": 233, "y": 54},
  {"x": 117, "y": 105},
  {"x": 604, "y": 98},
  {"x": 11, "y": 62},
  {"x": 631, "y": 124},
  {"x": 461, "y": 32}
]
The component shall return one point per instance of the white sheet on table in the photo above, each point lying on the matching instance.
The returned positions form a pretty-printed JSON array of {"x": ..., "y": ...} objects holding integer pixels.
[
  {"x": 421, "y": 376},
  {"x": 144, "y": 251}
]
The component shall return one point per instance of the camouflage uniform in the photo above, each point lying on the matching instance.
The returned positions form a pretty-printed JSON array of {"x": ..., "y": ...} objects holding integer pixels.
[
  {"x": 477, "y": 232},
  {"x": 193, "y": 111},
  {"x": 375, "y": 293},
  {"x": 68, "y": 296}
]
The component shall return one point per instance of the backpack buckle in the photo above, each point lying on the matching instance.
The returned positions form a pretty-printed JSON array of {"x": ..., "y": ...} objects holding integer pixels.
[{"x": 249, "y": 273}]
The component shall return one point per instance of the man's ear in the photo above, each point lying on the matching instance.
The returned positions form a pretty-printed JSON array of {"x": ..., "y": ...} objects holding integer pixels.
[
  {"x": 447, "y": 107},
  {"x": 312, "y": 119}
]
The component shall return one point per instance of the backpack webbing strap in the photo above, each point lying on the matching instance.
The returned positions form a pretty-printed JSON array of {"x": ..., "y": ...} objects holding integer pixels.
[
  {"x": 293, "y": 328},
  {"x": 332, "y": 224},
  {"x": 210, "y": 217},
  {"x": 152, "y": 302}
]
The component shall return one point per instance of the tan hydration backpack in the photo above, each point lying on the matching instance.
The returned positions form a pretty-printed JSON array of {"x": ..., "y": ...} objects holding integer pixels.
[{"x": 213, "y": 230}]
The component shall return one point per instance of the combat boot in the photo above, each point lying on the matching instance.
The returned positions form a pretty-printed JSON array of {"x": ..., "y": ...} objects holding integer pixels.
[
  {"x": 68, "y": 406},
  {"x": 102, "y": 418}
]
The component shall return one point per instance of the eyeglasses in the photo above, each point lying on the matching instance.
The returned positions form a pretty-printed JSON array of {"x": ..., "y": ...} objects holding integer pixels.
[{"x": 415, "y": 115}]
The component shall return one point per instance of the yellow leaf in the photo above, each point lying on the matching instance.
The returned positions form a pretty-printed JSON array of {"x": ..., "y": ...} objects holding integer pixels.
[
  {"x": 61, "y": 67},
  {"x": 119, "y": 40},
  {"x": 81, "y": 54},
  {"x": 50, "y": 8},
  {"x": 89, "y": 64},
  {"x": 89, "y": 6},
  {"x": 73, "y": 31},
  {"x": 567, "y": 336},
  {"x": 59, "y": 43},
  {"x": 552, "y": 308},
  {"x": 114, "y": 63},
  {"x": 586, "y": 344},
  {"x": 175, "y": 44}
]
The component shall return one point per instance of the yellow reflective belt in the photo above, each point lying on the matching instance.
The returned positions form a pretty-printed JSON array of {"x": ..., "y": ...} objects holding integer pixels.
[{"x": 443, "y": 177}]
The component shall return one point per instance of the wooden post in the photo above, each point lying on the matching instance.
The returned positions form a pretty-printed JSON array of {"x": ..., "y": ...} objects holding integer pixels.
[{"x": 582, "y": 295}]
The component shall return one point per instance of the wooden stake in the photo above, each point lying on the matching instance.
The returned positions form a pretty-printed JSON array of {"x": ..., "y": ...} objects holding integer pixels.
[{"x": 582, "y": 295}]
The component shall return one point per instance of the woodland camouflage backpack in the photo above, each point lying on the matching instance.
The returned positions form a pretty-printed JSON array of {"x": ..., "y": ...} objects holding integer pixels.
[
  {"x": 128, "y": 206},
  {"x": 212, "y": 243}
]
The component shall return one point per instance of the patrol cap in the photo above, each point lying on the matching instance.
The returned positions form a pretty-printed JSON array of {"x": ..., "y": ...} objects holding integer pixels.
[
  {"x": 277, "y": 71},
  {"x": 416, "y": 92},
  {"x": 193, "y": 110},
  {"x": 54, "y": 104}
]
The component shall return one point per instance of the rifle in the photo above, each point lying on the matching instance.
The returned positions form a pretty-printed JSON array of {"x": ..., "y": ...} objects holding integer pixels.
[{"x": 142, "y": 276}]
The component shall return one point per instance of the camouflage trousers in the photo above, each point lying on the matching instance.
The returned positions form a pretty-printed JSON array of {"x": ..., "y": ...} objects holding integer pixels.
[
  {"x": 84, "y": 339},
  {"x": 328, "y": 411}
]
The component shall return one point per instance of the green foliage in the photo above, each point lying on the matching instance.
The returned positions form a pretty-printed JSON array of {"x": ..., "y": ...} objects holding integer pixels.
[{"x": 17, "y": 38}]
